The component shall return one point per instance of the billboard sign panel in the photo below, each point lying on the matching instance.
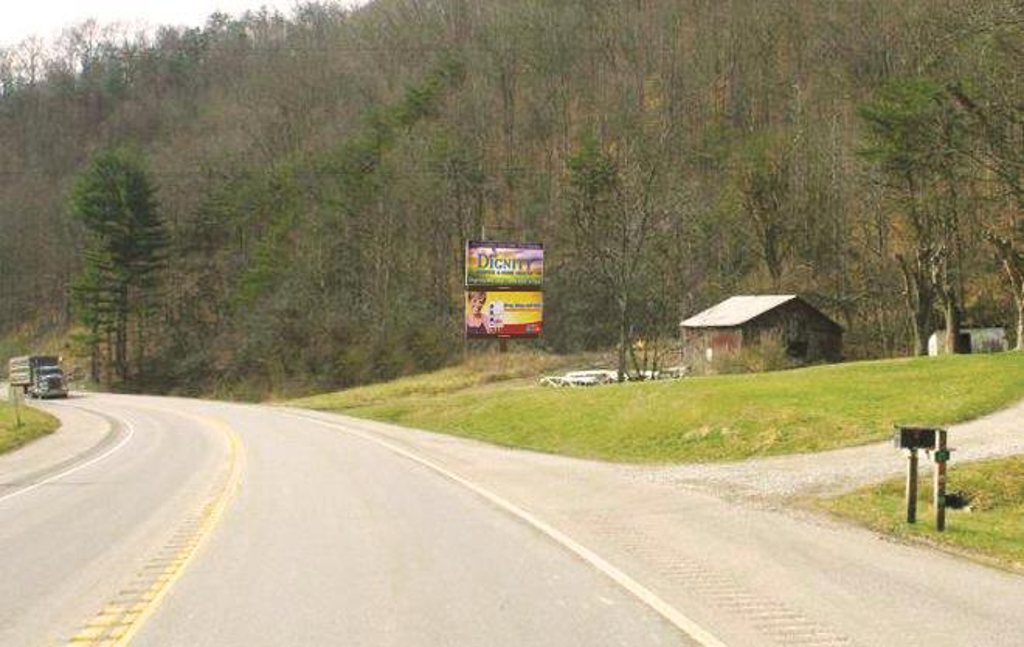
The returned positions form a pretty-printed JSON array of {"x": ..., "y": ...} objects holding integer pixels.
[
  {"x": 492, "y": 264},
  {"x": 504, "y": 314}
]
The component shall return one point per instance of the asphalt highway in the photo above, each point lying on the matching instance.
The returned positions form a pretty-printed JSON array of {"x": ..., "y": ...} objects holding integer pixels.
[{"x": 199, "y": 524}]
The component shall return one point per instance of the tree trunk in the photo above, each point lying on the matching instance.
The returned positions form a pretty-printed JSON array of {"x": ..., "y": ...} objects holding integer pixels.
[
  {"x": 919, "y": 300},
  {"x": 1020, "y": 319},
  {"x": 94, "y": 354},
  {"x": 140, "y": 346},
  {"x": 952, "y": 316},
  {"x": 1013, "y": 264},
  {"x": 108, "y": 363},
  {"x": 945, "y": 289},
  {"x": 121, "y": 336},
  {"x": 623, "y": 335}
]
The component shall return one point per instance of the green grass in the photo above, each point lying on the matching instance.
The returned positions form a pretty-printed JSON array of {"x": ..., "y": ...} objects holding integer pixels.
[
  {"x": 992, "y": 528},
  {"x": 515, "y": 369},
  {"x": 696, "y": 419},
  {"x": 34, "y": 424}
]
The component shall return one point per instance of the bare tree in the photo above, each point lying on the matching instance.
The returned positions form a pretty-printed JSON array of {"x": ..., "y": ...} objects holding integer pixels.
[
  {"x": 615, "y": 206},
  {"x": 1010, "y": 248}
]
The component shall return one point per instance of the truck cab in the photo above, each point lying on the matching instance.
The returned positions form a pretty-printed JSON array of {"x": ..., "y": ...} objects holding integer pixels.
[{"x": 49, "y": 382}]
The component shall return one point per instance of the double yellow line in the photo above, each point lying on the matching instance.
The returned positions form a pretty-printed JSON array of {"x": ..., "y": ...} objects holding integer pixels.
[{"x": 121, "y": 619}]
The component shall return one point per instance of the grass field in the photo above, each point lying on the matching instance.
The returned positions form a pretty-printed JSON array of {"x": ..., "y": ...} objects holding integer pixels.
[
  {"x": 34, "y": 425},
  {"x": 695, "y": 419},
  {"x": 993, "y": 527}
]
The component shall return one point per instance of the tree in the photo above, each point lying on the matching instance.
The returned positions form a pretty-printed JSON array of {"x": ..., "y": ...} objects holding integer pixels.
[
  {"x": 92, "y": 300},
  {"x": 613, "y": 212},
  {"x": 1010, "y": 249},
  {"x": 994, "y": 119},
  {"x": 319, "y": 172},
  {"x": 914, "y": 138},
  {"x": 764, "y": 182},
  {"x": 113, "y": 199}
]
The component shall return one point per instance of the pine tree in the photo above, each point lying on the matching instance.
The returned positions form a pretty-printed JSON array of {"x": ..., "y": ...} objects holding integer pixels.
[
  {"x": 114, "y": 199},
  {"x": 913, "y": 138}
]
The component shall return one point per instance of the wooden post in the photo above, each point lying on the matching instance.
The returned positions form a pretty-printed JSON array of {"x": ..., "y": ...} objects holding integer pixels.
[
  {"x": 912, "y": 486},
  {"x": 939, "y": 489},
  {"x": 502, "y": 345},
  {"x": 13, "y": 396}
]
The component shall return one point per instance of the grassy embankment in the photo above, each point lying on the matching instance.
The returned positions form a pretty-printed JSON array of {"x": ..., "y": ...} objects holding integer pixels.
[
  {"x": 991, "y": 528},
  {"x": 695, "y": 419},
  {"x": 34, "y": 425}
]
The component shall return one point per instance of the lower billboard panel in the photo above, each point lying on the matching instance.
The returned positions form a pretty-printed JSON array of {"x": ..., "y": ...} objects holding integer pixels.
[{"x": 491, "y": 314}]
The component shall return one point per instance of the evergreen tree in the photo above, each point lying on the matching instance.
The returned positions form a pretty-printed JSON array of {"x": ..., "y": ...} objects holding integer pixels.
[
  {"x": 116, "y": 288},
  {"x": 914, "y": 135}
]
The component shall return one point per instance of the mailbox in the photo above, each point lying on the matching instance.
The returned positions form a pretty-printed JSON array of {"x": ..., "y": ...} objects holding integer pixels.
[{"x": 915, "y": 437}]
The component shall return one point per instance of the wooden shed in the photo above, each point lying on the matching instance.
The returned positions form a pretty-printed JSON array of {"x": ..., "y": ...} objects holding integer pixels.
[{"x": 807, "y": 335}]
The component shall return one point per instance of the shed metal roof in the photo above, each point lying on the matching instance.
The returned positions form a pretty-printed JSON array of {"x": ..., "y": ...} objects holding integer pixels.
[{"x": 737, "y": 310}]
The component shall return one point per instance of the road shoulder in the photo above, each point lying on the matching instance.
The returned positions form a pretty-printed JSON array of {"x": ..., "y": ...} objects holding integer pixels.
[
  {"x": 81, "y": 434},
  {"x": 748, "y": 573}
]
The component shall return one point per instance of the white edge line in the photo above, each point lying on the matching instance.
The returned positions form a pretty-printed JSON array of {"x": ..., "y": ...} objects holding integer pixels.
[
  {"x": 645, "y": 595},
  {"x": 80, "y": 466}
]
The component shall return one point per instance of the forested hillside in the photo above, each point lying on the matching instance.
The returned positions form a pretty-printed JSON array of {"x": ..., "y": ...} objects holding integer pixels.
[{"x": 317, "y": 174}]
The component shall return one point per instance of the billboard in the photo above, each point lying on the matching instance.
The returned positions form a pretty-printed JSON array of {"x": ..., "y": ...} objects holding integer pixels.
[
  {"x": 492, "y": 264},
  {"x": 504, "y": 314}
]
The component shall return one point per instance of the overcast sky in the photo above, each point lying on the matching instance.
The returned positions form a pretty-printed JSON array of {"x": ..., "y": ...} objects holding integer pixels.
[{"x": 23, "y": 18}]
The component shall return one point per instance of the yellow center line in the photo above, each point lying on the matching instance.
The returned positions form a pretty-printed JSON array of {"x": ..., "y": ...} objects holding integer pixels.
[{"x": 123, "y": 617}]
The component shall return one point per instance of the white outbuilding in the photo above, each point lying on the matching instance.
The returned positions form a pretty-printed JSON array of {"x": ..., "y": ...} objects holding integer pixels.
[{"x": 981, "y": 340}]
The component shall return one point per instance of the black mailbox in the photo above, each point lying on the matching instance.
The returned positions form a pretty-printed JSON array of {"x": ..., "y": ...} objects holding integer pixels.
[{"x": 915, "y": 437}]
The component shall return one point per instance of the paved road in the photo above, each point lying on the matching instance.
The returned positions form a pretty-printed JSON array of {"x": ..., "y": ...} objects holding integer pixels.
[
  {"x": 68, "y": 543},
  {"x": 754, "y": 575},
  {"x": 199, "y": 523},
  {"x": 271, "y": 530}
]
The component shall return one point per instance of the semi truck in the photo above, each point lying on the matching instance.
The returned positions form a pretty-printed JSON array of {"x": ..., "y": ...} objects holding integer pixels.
[{"x": 39, "y": 376}]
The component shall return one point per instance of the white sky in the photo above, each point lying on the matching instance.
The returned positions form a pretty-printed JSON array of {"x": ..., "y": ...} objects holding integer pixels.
[{"x": 20, "y": 19}]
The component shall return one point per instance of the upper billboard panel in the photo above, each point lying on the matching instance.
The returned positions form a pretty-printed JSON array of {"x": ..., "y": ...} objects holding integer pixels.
[{"x": 504, "y": 265}]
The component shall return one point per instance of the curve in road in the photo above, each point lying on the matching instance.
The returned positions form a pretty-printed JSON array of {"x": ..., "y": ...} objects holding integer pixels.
[
  {"x": 74, "y": 538},
  {"x": 331, "y": 539}
]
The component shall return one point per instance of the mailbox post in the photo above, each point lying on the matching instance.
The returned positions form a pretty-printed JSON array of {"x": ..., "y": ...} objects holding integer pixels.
[
  {"x": 911, "y": 489},
  {"x": 939, "y": 490},
  {"x": 913, "y": 439},
  {"x": 927, "y": 438}
]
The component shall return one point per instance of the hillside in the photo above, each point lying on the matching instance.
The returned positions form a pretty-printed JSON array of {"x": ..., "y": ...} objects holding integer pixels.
[
  {"x": 698, "y": 419},
  {"x": 317, "y": 174}
]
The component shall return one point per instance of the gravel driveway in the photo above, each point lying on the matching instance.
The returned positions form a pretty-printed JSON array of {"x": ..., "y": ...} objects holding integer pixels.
[{"x": 779, "y": 478}]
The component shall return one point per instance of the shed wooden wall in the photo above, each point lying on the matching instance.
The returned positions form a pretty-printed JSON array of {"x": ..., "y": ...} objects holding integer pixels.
[{"x": 808, "y": 335}]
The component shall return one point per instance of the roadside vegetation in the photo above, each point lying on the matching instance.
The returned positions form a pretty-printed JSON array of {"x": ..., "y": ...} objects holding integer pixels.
[
  {"x": 713, "y": 418},
  {"x": 991, "y": 526},
  {"x": 35, "y": 340},
  {"x": 34, "y": 425},
  {"x": 477, "y": 373},
  {"x": 298, "y": 187}
]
